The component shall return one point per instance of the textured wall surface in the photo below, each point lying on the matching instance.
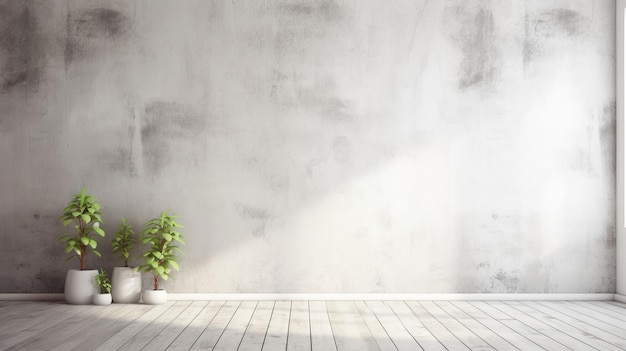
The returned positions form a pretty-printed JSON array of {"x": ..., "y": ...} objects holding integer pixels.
[{"x": 317, "y": 146}]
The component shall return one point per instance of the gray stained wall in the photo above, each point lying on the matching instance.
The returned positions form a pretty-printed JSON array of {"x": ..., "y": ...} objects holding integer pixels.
[{"x": 317, "y": 146}]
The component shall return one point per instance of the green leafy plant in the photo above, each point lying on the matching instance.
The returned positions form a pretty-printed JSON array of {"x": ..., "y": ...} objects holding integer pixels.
[
  {"x": 103, "y": 282},
  {"x": 124, "y": 241},
  {"x": 84, "y": 211},
  {"x": 162, "y": 237}
]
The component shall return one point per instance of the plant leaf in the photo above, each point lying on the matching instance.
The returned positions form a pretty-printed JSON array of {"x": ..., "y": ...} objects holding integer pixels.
[{"x": 99, "y": 231}]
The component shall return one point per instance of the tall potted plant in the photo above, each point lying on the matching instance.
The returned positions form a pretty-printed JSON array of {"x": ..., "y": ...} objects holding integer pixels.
[
  {"x": 126, "y": 280},
  {"x": 84, "y": 211},
  {"x": 162, "y": 237}
]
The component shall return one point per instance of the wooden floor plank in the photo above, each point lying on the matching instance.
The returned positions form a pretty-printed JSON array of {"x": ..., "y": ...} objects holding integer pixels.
[
  {"x": 255, "y": 334},
  {"x": 88, "y": 328},
  {"x": 299, "y": 338},
  {"x": 376, "y": 328},
  {"x": 445, "y": 336},
  {"x": 618, "y": 322},
  {"x": 157, "y": 326},
  {"x": 23, "y": 326},
  {"x": 321, "y": 332},
  {"x": 278, "y": 329},
  {"x": 412, "y": 323},
  {"x": 577, "y": 320},
  {"x": 491, "y": 338},
  {"x": 608, "y": 308},
  {"x": 50, "y": 330},
  {"x": 213, "y": 331},
  {"x": 607, "y": 323},
  {"x": 188, "y": 337},
  {"x": 570, "y": 330},
  {"x": 549, "y": 331},
  {"x": 529, "y": 332},
  {"x": 163, "y": 340},
  {"x": 350, "y": 330},
  {"x": 126, "y": 334},
  {"x": 236, "y": 328},
  {"x": 494, "y": 324},
  {"x": 14, "y": 312},
  {"x": 105, "y": 331},
  {"x": 466, "y": 336},
  {"x": 616, "y": 303},
  {"x": 401, "y": 338}
]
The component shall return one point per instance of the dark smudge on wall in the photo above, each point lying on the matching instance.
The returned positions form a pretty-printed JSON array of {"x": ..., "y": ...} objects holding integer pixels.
[
  {"x": 22, "y": 46},
  {"x": 543, "y": 26},
  {"x": 476, "y": 35},
  {"x": 258, "y": 218},
  {"x": 101, "y": 22},
  {"x": 302, "y": 25},
  {"x": 90, "y": 28},
  {"x": 558, "y": 22},
  {"x": 607, "y": 136},
  {"x": 326, "y": 10},
  {"x": 118, "y": 160},
  {"x": 169, "y": 131}
]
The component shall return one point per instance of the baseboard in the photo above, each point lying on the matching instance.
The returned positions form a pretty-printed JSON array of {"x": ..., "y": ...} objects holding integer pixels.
[
  {"x": 370, "y": 297},
  {"x": 32, "y": 297},
  {"x": 356, "y": 297}
]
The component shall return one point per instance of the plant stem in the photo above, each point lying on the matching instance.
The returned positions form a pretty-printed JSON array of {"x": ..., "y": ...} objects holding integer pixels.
[
  {"x": 156, "y": 282},
  {"x": 83, "y": 248}
]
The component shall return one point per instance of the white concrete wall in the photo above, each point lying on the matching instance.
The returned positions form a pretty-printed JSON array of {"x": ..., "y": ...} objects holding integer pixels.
[{"x": 318, "y": 146}]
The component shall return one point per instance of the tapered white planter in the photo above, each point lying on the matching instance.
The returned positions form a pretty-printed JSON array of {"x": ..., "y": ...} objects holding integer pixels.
[
  {"x": 154, "y": 297},
  {"x": 126, "y": 285},
  {"x": 102, "y": 299},
  {"x": 80, "y": 286}
]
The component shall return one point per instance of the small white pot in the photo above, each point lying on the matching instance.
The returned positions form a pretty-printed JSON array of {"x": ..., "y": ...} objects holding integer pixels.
[
  {"x": 126, "y": 285},
  {"x": 80, "y": 286},
  {"x": 102, "y": 299},
  {"x": 154, "y": 297}
]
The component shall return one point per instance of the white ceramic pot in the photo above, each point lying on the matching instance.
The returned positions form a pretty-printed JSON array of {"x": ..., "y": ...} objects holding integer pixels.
[
  {"x": 126, "y": 285},
  {"x": 154, "y": 297},
  {"x": 102, "y": 299},
  {"x": 80, "y": 286}
]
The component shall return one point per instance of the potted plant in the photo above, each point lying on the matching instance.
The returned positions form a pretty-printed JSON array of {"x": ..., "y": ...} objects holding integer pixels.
[
  {"x": 103, "y": 298},
  {"x": 84, "y": 211},
  {"x": 126, "y": 280},
  {"x": 163, "y": 238}
]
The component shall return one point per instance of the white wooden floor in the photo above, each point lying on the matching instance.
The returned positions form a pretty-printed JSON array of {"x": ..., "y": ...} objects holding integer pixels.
[{"x": 315, "y": 325}]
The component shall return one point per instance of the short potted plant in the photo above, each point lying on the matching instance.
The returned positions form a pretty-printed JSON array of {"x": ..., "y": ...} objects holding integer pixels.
[
  {"x": 103, "y": 298},
  {"x": 162, "y": 238},
  {"x": 126, "y": 280},
  {"x": 84, "y": 211}
]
